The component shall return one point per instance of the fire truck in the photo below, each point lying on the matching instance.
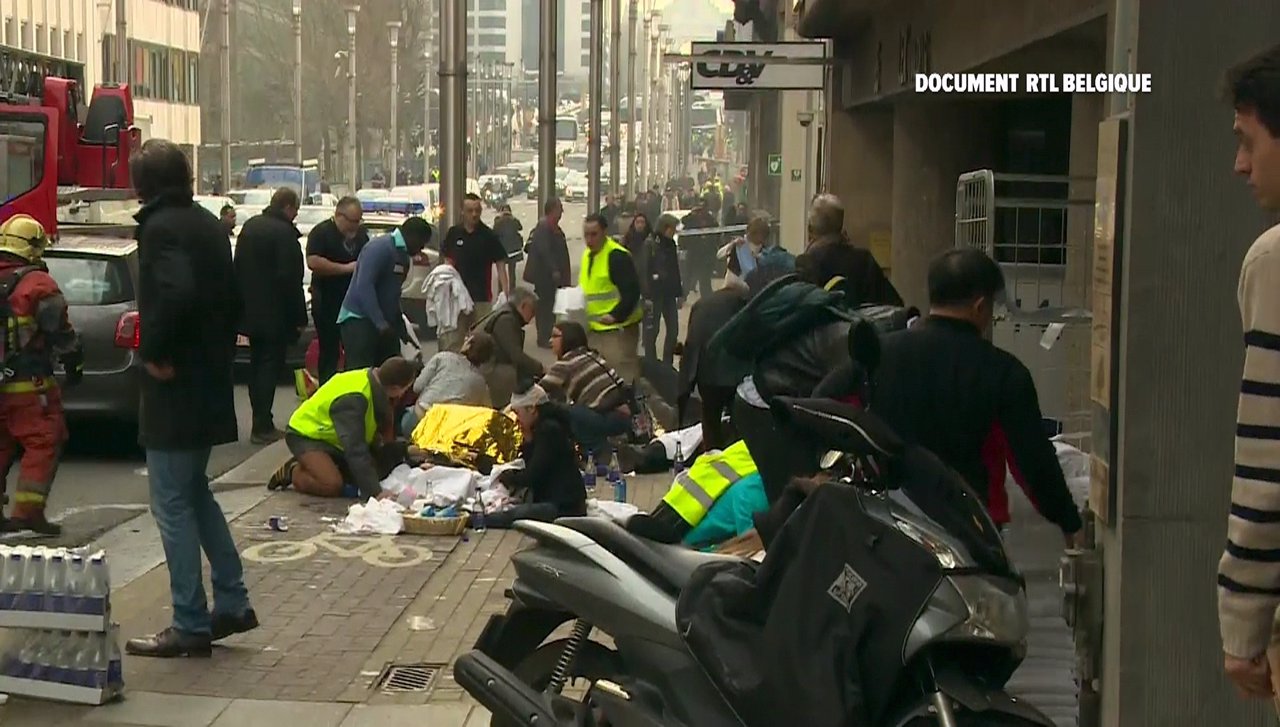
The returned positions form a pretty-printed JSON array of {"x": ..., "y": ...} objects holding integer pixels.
[{"x": 60, "y": 156}]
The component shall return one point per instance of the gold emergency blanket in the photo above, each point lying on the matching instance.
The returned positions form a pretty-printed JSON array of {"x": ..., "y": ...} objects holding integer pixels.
[{"x": 471, "y": 436}]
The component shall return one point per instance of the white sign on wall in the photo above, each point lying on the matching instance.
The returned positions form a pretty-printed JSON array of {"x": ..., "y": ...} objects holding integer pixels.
[{"x": 726, "y": 66}]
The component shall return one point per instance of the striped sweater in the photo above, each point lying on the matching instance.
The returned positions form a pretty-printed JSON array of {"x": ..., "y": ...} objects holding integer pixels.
[{"x": 1249, "y": 572}]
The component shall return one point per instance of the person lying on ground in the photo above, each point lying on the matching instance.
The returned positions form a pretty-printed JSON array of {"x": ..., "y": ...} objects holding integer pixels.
[
  {"x": 451, "y": 378},
  {"x": 550, "y": 483},
  {"x": 596, "y": 395},
  {"x": 333, "y": 434}
]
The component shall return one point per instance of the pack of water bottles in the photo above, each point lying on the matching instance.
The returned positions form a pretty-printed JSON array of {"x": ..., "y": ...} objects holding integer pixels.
[
  {"x": 54, "y": 588},
  {"x": 73, "y": 666}
]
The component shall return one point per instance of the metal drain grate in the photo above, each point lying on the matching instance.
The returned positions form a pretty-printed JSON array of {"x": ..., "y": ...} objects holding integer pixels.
[{"x": 409, "y": 678}]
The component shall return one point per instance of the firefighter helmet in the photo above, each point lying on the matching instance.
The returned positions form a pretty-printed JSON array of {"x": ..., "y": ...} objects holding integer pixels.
[{"x": 23, "y": 236}]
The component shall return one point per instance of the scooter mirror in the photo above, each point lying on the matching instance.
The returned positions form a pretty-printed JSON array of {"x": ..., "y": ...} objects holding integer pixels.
[{"x": 829, "y": 459}]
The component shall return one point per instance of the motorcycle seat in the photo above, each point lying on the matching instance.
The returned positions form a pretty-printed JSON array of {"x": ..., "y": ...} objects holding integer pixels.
[{"x": 668, "y": 566}]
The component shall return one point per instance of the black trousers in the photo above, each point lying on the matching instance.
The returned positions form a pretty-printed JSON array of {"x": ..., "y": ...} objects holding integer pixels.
[
  {"x": 658, "y": 312},
  {"x": 778, "y": 452},
  {"x": 329, "y": 338},
  {"x": 716, "y": 401},
  {"x": 266, "y": 365},
  {"x": 364, "y": 346},
  {"x": 545, "y": 315}
]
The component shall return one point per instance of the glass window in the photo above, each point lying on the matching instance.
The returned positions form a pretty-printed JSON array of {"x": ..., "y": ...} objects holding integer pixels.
[
  {"x": 493, "y": 4},
  {"x": 22, "y": 139},
  {"x": 492, "y": 40},
  {"x": 91, "y": 280},
  {"x": 41, "y": 38},
  {"x": 492, "y": 21}
]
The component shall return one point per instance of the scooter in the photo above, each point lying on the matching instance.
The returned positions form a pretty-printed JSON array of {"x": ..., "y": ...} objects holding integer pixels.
[{"x": 967, "y": 640}]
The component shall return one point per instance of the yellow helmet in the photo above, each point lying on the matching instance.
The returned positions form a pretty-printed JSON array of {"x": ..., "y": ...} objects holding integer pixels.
[{"x": 23, "y": 236}]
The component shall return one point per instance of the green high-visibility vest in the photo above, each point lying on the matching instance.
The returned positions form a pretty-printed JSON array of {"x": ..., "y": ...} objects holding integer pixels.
[
  {"x": 312, "y": 420},
  {"x": 697, "y": 489},
  {"x": 598, "y": 288}
]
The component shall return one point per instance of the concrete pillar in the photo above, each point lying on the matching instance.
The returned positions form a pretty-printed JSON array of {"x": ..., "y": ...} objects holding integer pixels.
[
  {"x": 1087, "y": 112},
  {"x": 861, "y": 175},
  {"x": 1188, "y": 221},
  {"x": 793, "y": 198},
  {"x": 766, "y": 139},
  {"x": 933, "y": 143}
]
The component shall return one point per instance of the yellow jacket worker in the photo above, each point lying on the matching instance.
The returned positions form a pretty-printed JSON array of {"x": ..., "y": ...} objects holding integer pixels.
[{"x": 609, "y": 281}]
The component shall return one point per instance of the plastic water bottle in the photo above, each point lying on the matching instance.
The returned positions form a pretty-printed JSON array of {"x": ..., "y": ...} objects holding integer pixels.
[
  {"x": 11, "y": 581},
  {"x": 589, "y": 475},
  {"x": 26, "y": 664},
  {"x": 46, "y": 655},
  {"x": 112, "y": 659},
  {"x": 11, "y": 665},
  {"x": 55, "y": 591},
  {"x": 477, "y": 515},
  {"x": 99, "y": 585},
  {"x": 64, "y": 658},
  {"x": 33, "y": 582},
  {"x": 77, "y": 584},
  {"x": 82, "y": 659}
]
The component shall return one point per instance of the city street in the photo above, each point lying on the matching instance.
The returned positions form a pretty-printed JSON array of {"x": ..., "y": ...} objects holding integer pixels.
[{"x": 102, "y": 481}]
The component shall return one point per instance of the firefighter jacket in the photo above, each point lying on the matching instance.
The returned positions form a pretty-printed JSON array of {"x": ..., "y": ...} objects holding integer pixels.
[
  {"x": 37, "y": 331},
  {"x": 695, "y": 490}
]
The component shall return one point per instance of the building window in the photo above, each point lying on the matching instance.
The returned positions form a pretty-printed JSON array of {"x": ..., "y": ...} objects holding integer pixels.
[
  {"x": 82, "y": 53},
  {"x": 491, "y": 40},
  {"x": 493, "y": 4},
  {"x": 42, "y": 39},
  {"x": 586, "y": 61},
  {"x": 160, "y": 73},
  {"x": 9, "y": 25},
  {"x": 55, "y": 43},
  {"x": 492, "y": 21},
  {"x": 26, "y": 34}
]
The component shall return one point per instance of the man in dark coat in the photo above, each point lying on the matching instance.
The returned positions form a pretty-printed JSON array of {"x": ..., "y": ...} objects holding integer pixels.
[
  {"x": 268, "y": 262},
  {"x": 830, "y": 253},
  {"x": 188, "y": 305},
  {"x": 547, "y": 268}
]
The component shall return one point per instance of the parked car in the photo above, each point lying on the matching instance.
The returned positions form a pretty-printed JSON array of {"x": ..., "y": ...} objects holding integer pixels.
[
  {"x": 311, "y": 215},
  {"x": 575, "y": 187},
  {"x": 214, "y": 203},
  {"x": 99, "y": 278}
]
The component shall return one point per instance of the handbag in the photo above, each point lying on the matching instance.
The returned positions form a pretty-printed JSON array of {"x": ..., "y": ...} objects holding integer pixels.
[{"x": 626, "y": 395}]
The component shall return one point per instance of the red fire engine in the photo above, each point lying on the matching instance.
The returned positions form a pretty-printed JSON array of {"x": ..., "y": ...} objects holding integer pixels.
[{"x": 54, "y": 151}]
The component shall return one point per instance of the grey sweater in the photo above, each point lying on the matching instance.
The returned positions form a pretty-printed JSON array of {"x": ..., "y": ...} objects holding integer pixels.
[{"x": 449, "y": 378}]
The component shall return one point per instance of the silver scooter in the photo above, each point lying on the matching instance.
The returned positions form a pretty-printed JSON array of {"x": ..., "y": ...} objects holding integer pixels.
[{"x": 968, "y": 638}]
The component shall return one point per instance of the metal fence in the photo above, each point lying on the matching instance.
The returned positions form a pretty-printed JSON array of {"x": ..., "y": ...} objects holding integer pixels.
[{"x": 1021, "y": 220}]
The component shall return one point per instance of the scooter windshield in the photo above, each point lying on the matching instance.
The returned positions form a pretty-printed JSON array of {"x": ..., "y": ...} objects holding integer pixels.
[{"x": 936, "y": 491}]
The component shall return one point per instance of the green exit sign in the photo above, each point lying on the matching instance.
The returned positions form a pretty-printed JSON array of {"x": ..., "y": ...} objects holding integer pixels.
[{"x": 775, "y": 165}]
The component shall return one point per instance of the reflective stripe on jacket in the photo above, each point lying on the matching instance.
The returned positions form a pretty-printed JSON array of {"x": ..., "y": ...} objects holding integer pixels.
[
  {"x": 712, "y": 474},
  {"x": 601, "y": 294},
  {"x": 312, "y": 419}
]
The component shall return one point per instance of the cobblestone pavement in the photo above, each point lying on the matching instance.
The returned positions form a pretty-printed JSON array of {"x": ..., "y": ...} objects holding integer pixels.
[{"x": 325, "y": 603}]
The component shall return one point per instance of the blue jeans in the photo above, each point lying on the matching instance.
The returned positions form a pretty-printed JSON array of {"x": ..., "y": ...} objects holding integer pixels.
[
  {"x": 592, "y": 429},
  {"x": 190, "y": 519}
]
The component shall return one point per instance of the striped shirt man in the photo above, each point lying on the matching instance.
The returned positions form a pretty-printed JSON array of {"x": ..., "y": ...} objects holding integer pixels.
[
  {"x": 1249, "y": 572},
  {"x": 583, "y": 377}
]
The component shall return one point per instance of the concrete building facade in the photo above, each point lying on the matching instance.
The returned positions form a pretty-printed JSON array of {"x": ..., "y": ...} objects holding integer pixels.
[
  {"x": 164, "y": 48},
  {"x": 1146, "y": 228}
]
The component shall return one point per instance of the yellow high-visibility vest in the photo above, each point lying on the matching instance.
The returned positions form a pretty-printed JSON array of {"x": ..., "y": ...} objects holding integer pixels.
[
  {"x": 312, "y": 420},
  {"x": 697, "y": 489},
  {"x": 601, "y": 294}
]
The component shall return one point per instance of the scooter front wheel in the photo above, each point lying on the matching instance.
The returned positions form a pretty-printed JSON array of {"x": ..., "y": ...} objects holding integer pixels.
[{"x": 592, "y": 661}]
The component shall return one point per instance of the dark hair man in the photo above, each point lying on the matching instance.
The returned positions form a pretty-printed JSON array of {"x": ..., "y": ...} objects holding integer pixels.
[
  {"x": 227, "y": 215},
  {"x": 371, "y": 322},
  {"x": 330, "y": 435},
  {"x": 1249, "y": 572},
  {"x": 269, "y": 266},
  {"x": 701, "y": 249},
  {"x": 188, "y": 306},
  {"x": 608, "y": 278},
  {"x": 548, "y": 266},
  {"x": 662, "y": 287},
  {"x": 332, "y": 248},
  {"x": 477, "y": 253}
]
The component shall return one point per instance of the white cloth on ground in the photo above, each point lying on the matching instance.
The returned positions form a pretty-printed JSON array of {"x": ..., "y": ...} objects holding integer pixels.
[
  {"x": 619, "y": 512},
  {"x": 375, "y": 517},
  {"x": 447, "y": 298},
  {"x": 690, "y": 438}
]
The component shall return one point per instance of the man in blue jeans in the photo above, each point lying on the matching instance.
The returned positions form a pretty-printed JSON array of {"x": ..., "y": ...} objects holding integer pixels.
[{"x": 188, "y": 305}]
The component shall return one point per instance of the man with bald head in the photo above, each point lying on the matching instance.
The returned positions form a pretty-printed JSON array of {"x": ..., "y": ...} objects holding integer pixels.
[{"x": 830, "y": 253}]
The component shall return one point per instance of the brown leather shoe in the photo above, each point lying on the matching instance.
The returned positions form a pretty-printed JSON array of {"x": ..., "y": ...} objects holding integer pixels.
[{"x": 169, "y": 644}]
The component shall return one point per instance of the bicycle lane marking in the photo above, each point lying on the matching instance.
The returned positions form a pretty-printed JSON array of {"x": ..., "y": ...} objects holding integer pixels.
[{"x": 381, "y": 552}]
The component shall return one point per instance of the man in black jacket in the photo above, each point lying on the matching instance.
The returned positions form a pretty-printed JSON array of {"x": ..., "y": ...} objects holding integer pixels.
[
  {"x": 188, "y": 305},
  {"x": 662, "y": 288},
  {"x": 547, "y": 268},
  {"x": 830, "y": 253},
  {"x": 332, "y": 249},
  {"x": 268, "y": 262}
]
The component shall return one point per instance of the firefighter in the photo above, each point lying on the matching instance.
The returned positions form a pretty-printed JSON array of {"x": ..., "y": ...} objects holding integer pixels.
[{"x": 37, "y": 332}]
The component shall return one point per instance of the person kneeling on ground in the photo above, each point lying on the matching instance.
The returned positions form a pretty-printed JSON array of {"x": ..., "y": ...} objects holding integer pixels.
[
  {"x": 697, "y": 492},
  {"x": 596, "y": 394},
  {"x": 550, "y": 481},
  {"x": 452, "y": 378},
  {"x": 332, "y": 434}
]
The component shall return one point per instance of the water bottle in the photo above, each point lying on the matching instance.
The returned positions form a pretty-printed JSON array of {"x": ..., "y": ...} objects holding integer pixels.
[
  {"x": 46, "y": 654},
  {"x": 11, "y": 665},
  {"x": 589, "y": 475},
  {"x": 11, "y": 583},
  {"x": 113, "y": 660},
  {"x": 26, "y": 664},
  {"x": 477, "y": 514},
  {"x": 82, "y": 659},
  {"x": 64, "y": 658},
  {"x": 33, "y": 582},
  {"x": 620, "y": 488},
  {"x": 55, "y": 591},
  {"x": 99, "y": 585},
  {"x": 77, "y": 583}
]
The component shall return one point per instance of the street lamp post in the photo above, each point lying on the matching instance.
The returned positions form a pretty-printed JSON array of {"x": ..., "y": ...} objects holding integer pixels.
[
  {"x": 224, "y": 87},
  {"x": 632, "y": 13},
  {"x": 595, "y": 76},
  {"x": 453, "y": 91},
  {"x": 615, "y": 98},
  {"x": 353, "y": 174},
  {"x": 426, "y": 115},
  {"x": 548, "y": 32},
  {"x": 393, "y": 37},
  {"x": 297, "y": 81},
  {"x": 646, "y": 128},
  {"x": 104, "y": 17},
  {"x": 651, "y": 108}
]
